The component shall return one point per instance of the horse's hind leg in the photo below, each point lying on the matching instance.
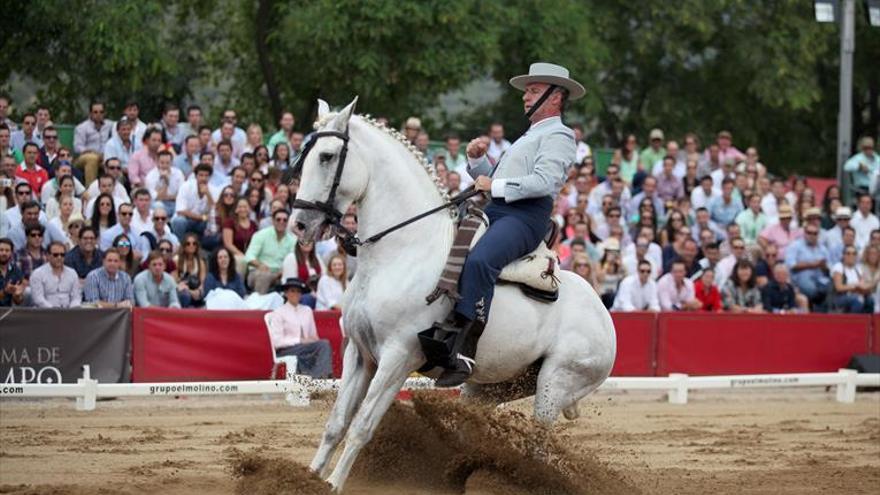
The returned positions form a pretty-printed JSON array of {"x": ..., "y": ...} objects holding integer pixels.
[
  {"x": 560, "y": 387},
  {"x": 390, "y": 376},
  {"x": 356, "y": 375}
]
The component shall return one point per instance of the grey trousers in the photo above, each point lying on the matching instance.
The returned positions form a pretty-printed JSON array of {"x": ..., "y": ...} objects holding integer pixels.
[{"x": 313, "y": 359}]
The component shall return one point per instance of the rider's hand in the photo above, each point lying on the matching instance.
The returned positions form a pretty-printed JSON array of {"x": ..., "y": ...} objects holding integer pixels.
[
  {"x": 477, "y": 148},
  {"x": 483, "y": 183}
]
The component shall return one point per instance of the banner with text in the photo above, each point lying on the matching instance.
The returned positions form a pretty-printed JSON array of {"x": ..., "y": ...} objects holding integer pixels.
[{"x": 51, "y": 346}]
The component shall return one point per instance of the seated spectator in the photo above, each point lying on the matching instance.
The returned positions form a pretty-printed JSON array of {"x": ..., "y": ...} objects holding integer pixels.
[
  {"x": 194, "y": 204},
  {"x": 50, "y": 189},
  {"x": 108, "y": 287},
  {"x": 122, "y": 145},
  {"x": 675, "y": 291},
  {"x": 142, "y": 220},
  {"x": 778, "y": 296},
  {"x": 725, "y": 266},
  {"x": 75, "y": 224},
  {"x": 303, "y": 263},
  {"x": 633, "y": 257},
  {"x": 123, "y": 226},
  {"x": 701, "y": 196},
  {"x": 32, "y": 255},
  {"x": 781, "y": 234},
  {"x": 610, "y": 271},
  {"x": 107, "y": 183},
  {"x": 808, "y": 260},
  {"x": 674, "y": 222},
  {"x": 724, "y": 209},
  {"x": 104, "y": 216},
  {"x": 54, "y": 285},
  {"x": 85, "y": 257},
  {"x": 764, "y": 266},
  {"x": 704, "y": 222},
  {"x": 835, "y": 249},
  {"x": 164, "y": 181},
  {"x": 864, "y": 221},
  {"x": 267, "y": 251},
  {"x": 292, "y": 332},
  {"x": 237, "y": 233},
  {"x": 870, "y": 266},
  {"x": 710, "y": 260},
  {"x": 145, "y": 159},
  {"x": 671, "y": 251},
  {"x": 862, "y": 166},
  {"x": 222, "y": 274},
  {"x": 160, "y": 230},
  {"x": 30, "y": 170},
  {"x": 852, "y": 292},
  {"x": 332, "y": 284},
  {"x": 167, "y": 250},
  {"x": 129, "y": 263},
  {"x": 584, "y": 267},
  {"x": 688, "y": 256},
  {"x": 191, "y": 272},
  {"x": 706, "y": 292},
  {"x": 63, "y": 206},
  {"x": 638, "y": 292},
  {"x": 12, "y": 281},
  {"x": 740, "y": 293},
  {"x": 153, "y": 287},
  {"x": 31, "y": 216},
  {"x": 752, "y": 220}
]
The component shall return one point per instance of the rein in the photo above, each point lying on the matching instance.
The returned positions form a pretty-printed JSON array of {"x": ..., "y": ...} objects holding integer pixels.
[{"x": 350, "y": 240}]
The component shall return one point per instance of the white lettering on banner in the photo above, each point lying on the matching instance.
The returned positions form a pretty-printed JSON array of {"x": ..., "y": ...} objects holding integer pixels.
[{"x": 28, "y": 374}]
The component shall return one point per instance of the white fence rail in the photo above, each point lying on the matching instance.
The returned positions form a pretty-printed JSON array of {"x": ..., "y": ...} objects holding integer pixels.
[{"x": 297, "y": 388}]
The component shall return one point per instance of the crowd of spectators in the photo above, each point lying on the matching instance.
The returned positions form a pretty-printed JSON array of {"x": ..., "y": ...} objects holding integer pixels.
[{"x": 162, "y": 214}]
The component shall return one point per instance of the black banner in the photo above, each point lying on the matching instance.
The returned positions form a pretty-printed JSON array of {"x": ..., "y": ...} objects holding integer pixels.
[{"x": 51, "y": 345}]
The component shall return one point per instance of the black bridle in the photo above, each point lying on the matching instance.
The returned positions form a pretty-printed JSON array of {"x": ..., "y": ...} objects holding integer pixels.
[{"x": 332, "y": 216}]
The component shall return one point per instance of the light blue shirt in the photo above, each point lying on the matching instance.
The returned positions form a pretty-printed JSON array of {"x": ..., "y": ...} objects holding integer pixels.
[
  {"x": 724, "y": 213},
  {"x": 148, "y": 293},
  {"x": 116, "y": 149},
  {"x": 534, "y": 166},
  {"x": 133, "y": 235},
  {"x": 860, "y": 178},
  {"x": 799, "y": 251}
]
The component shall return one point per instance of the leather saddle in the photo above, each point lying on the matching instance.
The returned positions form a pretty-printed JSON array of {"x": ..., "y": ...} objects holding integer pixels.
[{"x": 535, "y": 273}]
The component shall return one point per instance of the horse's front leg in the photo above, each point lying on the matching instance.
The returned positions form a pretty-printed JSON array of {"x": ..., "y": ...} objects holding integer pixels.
[
  {"x": 356, "y": 376},
  {"x": 390, "y": 376}
]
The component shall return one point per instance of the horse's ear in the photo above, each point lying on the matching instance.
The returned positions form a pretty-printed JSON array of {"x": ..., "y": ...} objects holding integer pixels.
[
  {"x": 345, "y": 115},
  {"x": 323, "y": 108}
]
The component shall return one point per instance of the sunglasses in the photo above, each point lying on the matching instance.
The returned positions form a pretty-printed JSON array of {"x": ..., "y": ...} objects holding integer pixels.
[
  {"x": 22, "y": 193},
  {"x": 124, "y": 213},
  {"x": 57, "y": 255},
  {"x": 811, "y": 233},
  {"x": 580, "y": 265},
  {"x": 124, "y": 244},
  {"x": 160, "y": 219},
  {"x": 164, "y": 250},
  {"x": 281, "y": 219},
  {"x": 49, "y": 138},
  {"x": 644, "y": 271},
  {"x": 35, "y": 234},
  {"x": 191, "y": 243},
  {"x": 738, "y": 247},
  {"x": 112, "y": 167}
]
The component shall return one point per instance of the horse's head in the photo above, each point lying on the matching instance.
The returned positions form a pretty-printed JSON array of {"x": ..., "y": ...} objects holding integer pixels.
[{"x": 332, "y": 176}]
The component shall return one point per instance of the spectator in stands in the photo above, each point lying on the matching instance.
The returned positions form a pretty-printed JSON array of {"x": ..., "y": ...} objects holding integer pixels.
[
  {"x": 71, "y": 225},
  {"x": 674, "y": 221},
  {"x": 654, "y": 153},
  {"x": 706, "y": 292},
  {"x": 187, "y": 160},
  {"x": 304, "y": 264},
  {"x": 835, "y": 250},
  {"x": 704, "y": 221},
  {"x": 191, "y": 272},
  {"x": 752, "y": 221},
  {"x": 51, "y": 149},
  {"x": 237, "y": 233},
  {"x": 164, "y": 181},
  {"x": 701, "y": 196},
  {"x": 740, "y": 293},
  {"x": 111, "y": 182},
  {"x": 673, "y": 250},
  {"x": 582, "y": 266},
  {"x": 778, "y": 296},
  {"x": 627, "y": 158},
  {"x": 864, "y": 221},
  {"x": 30, "y": 170},
  {"x": 12, "y": 281},
  {"x": 85, "y": 257},
  {"x": 726, "y": 150},
  {"x": 132, "y": 113},
  {"x": 808, "y": 260},
  {"x": 4, "y": 113},
  {"x": 725, "y": 208},
  {"x": 153, "y": 287},
  {"x": 142, "y": 220},
  {"x": 332, "y": 284},
  {"x": 123, "y": 226},
  {"x": 834, "y": 235},
  {"x": 224, "y": 162},
  {"x": 648, "y": 192},
  {"x": 334, "y": 246},
  {"x": 193, "y": 120},
  {"x": 669, "y": 186},
  {"x": 6, "y": 148},
  {"x": 638, "y": 292},
  {"x": 90, "y": 138},
  {"x": 167, "y": 250},
  {"x": 128, "y": 263},
  {"x": 863, "y": 166},
  {"x": 281, "y": 158},
  {"x": 206, "y": 145},
  {"x": 146, "y": 158},
  {"x": 781, "y": 233},
  {"x": 292, "y": 332},
  {"x": 65, "y": 191},
  {"x": 610, "y": 271},
  {"x": 690, "y": 182},
  {"x": 689, "y": 256},
  {"x": 160, "y": 230},
  {"x": 122, "y": 146},
  {"x": 104, "y": 216},
  {"x": 173, "y": 132},
  {"x": 222, "y": 274},
  {"x": 108, "y": 287},
  {"x": 54, "y": 285},
  {"x": 675, "y": 291},
  {"x": 32, "y": 216},
  {"x": 285, "y": 129},
  {"x": 852, "y": 290},
  {"x": 194, "y": 204},
  {"x": 632, "y": 258},
  {"x": 870, "y": 266},
  {"x": 236, "y": 135},
  {"x": 27, "y": 133}
]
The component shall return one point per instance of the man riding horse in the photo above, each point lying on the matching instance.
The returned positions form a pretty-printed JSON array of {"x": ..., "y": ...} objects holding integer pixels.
[{"x": 522, "y": 185}]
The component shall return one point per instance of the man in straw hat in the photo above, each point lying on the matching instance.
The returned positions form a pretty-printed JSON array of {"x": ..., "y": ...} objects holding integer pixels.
[
  {"x": 522, "y": 186},
  {"x": 293, "y": 332}
]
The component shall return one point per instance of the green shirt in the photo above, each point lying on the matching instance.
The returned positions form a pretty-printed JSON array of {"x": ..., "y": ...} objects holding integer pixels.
[
  {"x": 266, "y": 248},
  {"x": 649, "y": 157},
  {"x": 276, "y": 139},
  {"x": 751, "y": 225}
]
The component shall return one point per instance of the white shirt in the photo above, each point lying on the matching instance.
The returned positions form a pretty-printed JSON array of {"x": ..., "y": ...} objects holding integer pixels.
[
  {"x": 50, "y": 188},
  {"x": 851, "y": 274},
  {"x": 140, "y": 224},
  {"x": 583, "y": 151},
  {"x": 679, "y": 170},
  {"x": 699, "y": 198},
  {"x": 188, "y": 199},
  {"x": 863, "y": 225},
  {"x": 770, "y": 207},
  {"x": 120, "y": 195},
  {"x": 137, "y": 133},
  {"x": 329, "y": 292},
  {"x": 496, "y": 149},
  {"x": 724, "y": 269},
  {"x": 174, "y": 180},
  {"x": 90, "y": 206},
  {"x": 633, "y": 296}
]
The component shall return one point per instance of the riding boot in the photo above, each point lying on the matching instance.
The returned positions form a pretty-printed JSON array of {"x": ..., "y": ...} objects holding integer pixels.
[{"x": 461, "y": 364}]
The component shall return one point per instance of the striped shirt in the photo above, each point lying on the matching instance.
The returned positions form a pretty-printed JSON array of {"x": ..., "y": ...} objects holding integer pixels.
[{"x": 100, "y": 287}]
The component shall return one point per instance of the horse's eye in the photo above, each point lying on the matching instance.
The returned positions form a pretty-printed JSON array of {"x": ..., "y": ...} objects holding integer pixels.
[{"x": 326, "y": 157}]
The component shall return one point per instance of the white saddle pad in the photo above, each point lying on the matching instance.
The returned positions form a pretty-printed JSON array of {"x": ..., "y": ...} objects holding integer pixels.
[{"x": 536, "y": 269}]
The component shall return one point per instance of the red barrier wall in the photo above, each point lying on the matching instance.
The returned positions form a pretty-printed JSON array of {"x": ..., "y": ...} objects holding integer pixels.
[
  {"x": 636, "y": 344},
  {"x": 875, "y": 336},
  {"x": 169, "y": 344},
  {"x": 743, "y": 344}
]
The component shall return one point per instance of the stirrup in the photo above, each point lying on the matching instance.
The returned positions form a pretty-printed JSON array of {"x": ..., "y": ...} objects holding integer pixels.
[{"x": 437, "y": 343}]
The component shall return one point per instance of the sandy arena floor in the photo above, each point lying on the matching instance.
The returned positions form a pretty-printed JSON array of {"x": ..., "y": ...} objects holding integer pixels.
[{"x": 770, "y": 441}]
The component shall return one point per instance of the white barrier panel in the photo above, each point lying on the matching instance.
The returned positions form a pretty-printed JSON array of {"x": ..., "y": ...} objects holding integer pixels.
[{"x": 297, "y": 388}]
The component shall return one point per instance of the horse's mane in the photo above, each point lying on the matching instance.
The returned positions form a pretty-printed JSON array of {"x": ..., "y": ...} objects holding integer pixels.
[{"x": 399, "y": 137}]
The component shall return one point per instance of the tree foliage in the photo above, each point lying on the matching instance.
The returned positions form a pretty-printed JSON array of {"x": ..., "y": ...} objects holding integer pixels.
[{"x": 763, "y": 69}]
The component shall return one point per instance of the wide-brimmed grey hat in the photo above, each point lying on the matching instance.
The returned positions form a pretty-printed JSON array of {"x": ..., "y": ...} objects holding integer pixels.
[
  {"x": 293, "y": 283},
  {"x": 543, "y": 72}
]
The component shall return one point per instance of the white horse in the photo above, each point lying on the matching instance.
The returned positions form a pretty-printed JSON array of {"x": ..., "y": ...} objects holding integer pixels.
[{"x": 572, "y": 340}]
